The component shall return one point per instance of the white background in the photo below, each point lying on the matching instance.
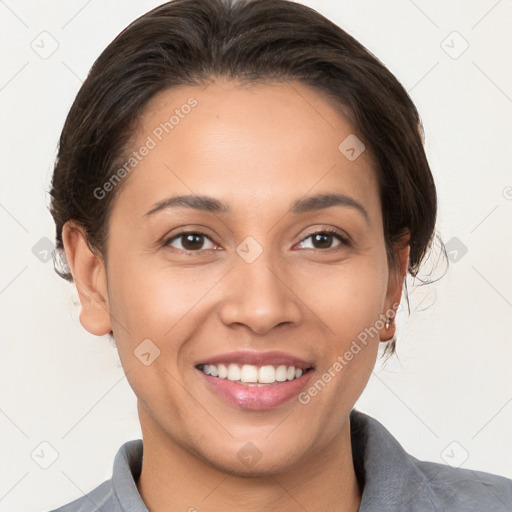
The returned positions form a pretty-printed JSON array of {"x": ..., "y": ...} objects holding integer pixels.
[{"x": 453, "y": 379}]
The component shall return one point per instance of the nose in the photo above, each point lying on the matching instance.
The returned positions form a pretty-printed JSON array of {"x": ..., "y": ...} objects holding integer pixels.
[{"x": 259, "y": 296}]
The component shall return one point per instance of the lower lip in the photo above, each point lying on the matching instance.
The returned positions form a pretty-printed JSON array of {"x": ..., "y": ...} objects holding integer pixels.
[{"x": 255, "y": 397}]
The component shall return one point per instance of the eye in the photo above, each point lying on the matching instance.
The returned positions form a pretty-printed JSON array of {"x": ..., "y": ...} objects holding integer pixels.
[
  {"x": 190, "y": 241},
  {"x": 323, "y": 239},
  {"x": 194, "y": 241}
]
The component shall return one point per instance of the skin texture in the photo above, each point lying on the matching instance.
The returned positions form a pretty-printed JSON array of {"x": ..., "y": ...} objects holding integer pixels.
[{"x": 257, "y": 148}]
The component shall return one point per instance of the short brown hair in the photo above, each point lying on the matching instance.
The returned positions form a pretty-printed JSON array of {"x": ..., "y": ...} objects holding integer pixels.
[{"x": 193, "y": 42}]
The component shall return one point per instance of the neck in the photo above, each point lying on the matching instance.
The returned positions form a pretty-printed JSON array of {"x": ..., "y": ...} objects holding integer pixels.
[{"x": 173, "y": 478}]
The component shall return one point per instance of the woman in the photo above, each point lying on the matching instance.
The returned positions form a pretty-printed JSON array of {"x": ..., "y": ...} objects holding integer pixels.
[{"x": 240, "y": 190}]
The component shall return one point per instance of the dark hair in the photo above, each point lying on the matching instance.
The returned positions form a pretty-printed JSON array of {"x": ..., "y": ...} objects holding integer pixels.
[{"x": 193, "y": 42}]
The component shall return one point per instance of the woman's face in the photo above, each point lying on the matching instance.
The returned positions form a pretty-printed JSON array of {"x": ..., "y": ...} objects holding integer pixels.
[{"x": 260, "y": 279}]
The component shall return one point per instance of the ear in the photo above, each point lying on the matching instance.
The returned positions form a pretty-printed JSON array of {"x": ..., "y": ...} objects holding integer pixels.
[
  {"x": 90, "y": 278},
  {"x": 395, "y": 285}
]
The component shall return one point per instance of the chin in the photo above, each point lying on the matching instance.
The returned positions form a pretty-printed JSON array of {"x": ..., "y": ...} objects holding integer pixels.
[{"x": 259, "y": 468}]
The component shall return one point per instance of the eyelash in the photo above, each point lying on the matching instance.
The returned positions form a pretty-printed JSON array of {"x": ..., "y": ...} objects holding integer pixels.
[{"x": 345, "y": 241}]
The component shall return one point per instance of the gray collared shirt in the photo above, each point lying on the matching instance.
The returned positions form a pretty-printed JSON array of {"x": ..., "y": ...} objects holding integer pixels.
[{"x": 391, "y": 479}]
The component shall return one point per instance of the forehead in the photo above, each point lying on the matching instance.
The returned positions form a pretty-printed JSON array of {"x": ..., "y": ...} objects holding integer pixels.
[{"x": 248, "y": 145}]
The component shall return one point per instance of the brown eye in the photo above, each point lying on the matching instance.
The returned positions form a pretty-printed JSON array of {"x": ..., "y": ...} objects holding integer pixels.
[
  {"x": 190, "y": 241},
  {"x": 324, "y": 240}
]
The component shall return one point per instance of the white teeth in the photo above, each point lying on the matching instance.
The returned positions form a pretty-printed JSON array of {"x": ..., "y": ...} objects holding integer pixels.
[
  {"x": 233, "y": 372},
  {"x": 267, "y": 375},
  {"x": 281, "y": 373},
  {"x": 223, "y": 371},
  {"x": 249, "y": 373}
]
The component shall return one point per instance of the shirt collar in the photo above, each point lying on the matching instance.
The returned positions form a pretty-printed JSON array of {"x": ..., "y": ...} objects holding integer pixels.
[
  {"x": 126, "y": 471},
  {"x": 389, "y": 477},
  {"x": 392, "y": 481}
]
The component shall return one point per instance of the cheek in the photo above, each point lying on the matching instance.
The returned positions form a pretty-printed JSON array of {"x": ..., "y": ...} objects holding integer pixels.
[
  {"x": 152, "y": 314},
  {"x": 164, "y": 305},
  {"x": 346, "y": 298},
  {"x": 150, "y": 297}
]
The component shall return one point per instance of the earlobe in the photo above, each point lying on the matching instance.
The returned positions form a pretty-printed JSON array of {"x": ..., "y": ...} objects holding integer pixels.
[
  {"x": 395, "y": 286},
  {"x": 89, "y": 275}
]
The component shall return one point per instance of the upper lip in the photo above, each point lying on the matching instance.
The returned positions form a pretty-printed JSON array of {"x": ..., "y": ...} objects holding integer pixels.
[{"x": 274, "y": 358}]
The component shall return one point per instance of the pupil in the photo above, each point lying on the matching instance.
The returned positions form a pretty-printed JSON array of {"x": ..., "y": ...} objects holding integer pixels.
[
  {"x": 191, "y": 241},
  {"x": 322, "y": 238}
]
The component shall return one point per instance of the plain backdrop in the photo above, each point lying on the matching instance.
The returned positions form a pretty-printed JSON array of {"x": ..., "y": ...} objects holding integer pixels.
[{"x": 447, "y": 397}]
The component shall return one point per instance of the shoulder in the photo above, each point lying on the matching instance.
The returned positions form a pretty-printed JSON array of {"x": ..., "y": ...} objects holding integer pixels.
[
  {"x": 119, "y": 493},
  {"x": 465, "y": 489},
  {"x": 100, "y": 498},
  {"x": 395, "y": 480}
]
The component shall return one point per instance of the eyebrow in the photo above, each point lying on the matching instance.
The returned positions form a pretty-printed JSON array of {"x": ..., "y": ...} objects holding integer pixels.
[{"x": 212, "y": 205}]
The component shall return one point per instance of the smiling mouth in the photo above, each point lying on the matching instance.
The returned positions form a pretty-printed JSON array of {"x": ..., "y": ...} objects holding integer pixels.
[{"x": 252, "y": 375}]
